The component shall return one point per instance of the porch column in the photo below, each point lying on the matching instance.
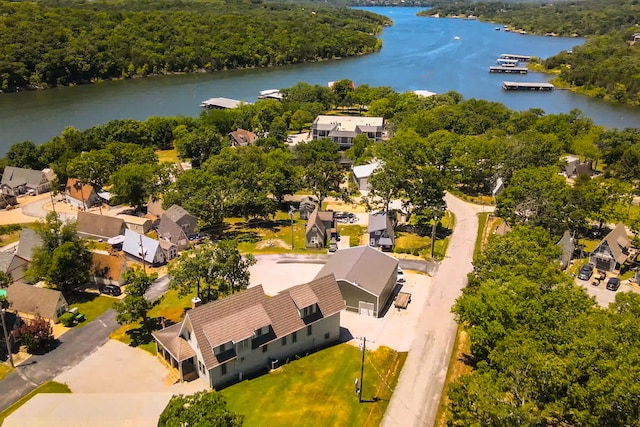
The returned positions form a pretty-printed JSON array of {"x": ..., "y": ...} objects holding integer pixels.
[{"x": 180, "y": 369}]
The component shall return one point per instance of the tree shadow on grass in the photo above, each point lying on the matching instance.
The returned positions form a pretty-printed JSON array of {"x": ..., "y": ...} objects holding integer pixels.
[
  {"x": 80, "y": 297},
  {"x": 468, "y": 360},
  {"x": 142, "y": 334}
]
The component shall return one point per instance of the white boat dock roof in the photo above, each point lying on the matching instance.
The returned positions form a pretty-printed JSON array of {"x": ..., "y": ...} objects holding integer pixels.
[
  {"x": 424, "y": 93},
  {"x": 221, "y": 103}
]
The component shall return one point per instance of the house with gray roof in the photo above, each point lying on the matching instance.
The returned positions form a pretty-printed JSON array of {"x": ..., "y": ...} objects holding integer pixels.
[
  {"x": 33, "y": 300},
  {"x": 13, "y": 265},
  {"x": 380, "y": 231},
  {"x": 342, "y": 129},
  {"x": 362, "y": 173},
  {"x": 567, "y": 247},
  {"x": 612, "y": 251},
  {"x": 320, "y": 226},
  {"x": 146, "y": 249},
  {"x": 94, "y": 226},
  {"x": 366, "y": 278},
  {"x": 16, "y": 181},
  {"x": 227, "y": 340}
]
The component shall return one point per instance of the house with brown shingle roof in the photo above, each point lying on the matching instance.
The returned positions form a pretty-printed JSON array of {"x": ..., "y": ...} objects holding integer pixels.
[
  {"x": 82, "y": 196},
  {"x": 108, "y": 269},
  {"x": 612, "y": 251},
  {"x": 241, "y": 137},
  {"x": 99, "y": 226},
  {"x": 226, "y": 340},
  {"x": 33, "y": 300}
]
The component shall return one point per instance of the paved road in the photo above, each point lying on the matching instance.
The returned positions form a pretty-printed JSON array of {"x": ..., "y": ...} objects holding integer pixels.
[
  {"x": 74, "y": 346},
  {"x": 417, "y": 396}
]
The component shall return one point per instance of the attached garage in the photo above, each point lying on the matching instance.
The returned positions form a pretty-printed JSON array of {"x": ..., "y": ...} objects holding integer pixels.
[{"x": 366, "y": 278}]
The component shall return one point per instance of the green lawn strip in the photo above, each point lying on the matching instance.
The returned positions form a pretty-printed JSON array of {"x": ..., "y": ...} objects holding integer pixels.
[
  {"x": 482, "y": 223},
  {"x": 171, "y": 307},
  {"x": 319, "y": 389},
  {"x": 354, "y": 232},
  {"x": 4, "y": 370},
  {"x": 48, "y": 387},
  {"x": 421, "y": 245},
  {"x": 170, "y": 156},
  {"x": 90, "y": 304}
]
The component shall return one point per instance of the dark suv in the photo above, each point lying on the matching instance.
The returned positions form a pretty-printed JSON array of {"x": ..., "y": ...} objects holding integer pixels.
[
  {"x": 585, "y": 272},
  {"x": 613, "y": 284},
  {"x": 113, "y": 290}
]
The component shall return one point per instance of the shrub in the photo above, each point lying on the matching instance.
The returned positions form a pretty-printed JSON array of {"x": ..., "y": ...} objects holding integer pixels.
[
  {"x": 68, "y": 319},
  {"x": 36, "y": 335}
]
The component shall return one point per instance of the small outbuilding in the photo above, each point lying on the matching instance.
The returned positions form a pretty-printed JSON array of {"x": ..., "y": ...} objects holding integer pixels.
[
  {"x": 362, "y": 173},
  {"x": 366, "y": 278}
]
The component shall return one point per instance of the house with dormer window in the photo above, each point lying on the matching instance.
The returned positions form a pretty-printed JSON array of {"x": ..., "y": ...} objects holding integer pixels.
[{"x": 227, "y": 340}]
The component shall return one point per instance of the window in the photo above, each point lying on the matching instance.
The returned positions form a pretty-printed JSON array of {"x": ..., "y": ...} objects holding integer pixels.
[
  {"x": 326, "y": 336},
  {"x": 294, "y": 337},
  {"x": 309, "y": 330},
  {"x": 372, "y": 242},
  {"x": 307, "y": 311},
  {"x": 223, "y": 369},
  {"x": 200, "y": 367},
  {"x": 265, "y": 348},
  {"x": 314, "y": 240},
  {"x": 284, "y": 341}
]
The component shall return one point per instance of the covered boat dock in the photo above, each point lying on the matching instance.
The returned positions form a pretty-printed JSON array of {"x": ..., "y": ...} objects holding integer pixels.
[{"x": 527, "y": 86}]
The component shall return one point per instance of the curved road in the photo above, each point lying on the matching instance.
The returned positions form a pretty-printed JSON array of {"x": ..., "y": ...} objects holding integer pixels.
[{"x": 417, "y": 396}]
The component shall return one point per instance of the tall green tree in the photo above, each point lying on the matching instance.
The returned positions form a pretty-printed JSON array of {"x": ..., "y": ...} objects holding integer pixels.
[
  {"x": 134, "y": 306},
  {"x": 204, "y": 408}
]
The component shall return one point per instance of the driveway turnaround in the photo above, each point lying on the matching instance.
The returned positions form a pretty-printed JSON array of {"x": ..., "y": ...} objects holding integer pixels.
[{"x": 417, "y": 396}]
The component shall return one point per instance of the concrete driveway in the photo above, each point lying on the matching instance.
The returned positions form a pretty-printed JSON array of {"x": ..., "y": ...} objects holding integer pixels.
[
  {"x": 603, "y": 296},
  {"x": 117, "y": 368}
]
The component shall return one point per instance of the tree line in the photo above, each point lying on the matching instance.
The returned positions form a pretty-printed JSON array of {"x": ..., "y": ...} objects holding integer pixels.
[{"x": 47, "y": 44}]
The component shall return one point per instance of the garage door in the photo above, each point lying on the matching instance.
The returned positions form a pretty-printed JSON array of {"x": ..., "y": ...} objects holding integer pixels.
[
  {"x": 365, "y": 308},
  {"x": 603, "y": 264}
]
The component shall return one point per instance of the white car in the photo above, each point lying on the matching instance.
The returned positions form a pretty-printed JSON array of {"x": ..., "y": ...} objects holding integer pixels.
[{"x": 401, "y": 277}]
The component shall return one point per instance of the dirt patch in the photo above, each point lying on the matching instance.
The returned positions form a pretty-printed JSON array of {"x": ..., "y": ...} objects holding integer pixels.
[{"x": 272, "y": 243}]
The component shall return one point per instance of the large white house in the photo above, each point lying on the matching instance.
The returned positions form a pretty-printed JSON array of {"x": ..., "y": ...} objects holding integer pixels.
[
  {"x": 342, "y": 129},
  {"x": 227, "y": 340}
]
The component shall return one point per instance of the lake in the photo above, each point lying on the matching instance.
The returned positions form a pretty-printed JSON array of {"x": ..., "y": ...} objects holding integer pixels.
[{"x": 434, "y": 54}]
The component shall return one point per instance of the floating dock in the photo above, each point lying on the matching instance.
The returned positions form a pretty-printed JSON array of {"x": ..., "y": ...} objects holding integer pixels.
[
  {"x": 507, "y": 62},
  {"x": 521, "y": 58},
  {"x": 527, "y": 86},
  {"x": 221, "y": 103},
  {"x": 511, "y": 70}
]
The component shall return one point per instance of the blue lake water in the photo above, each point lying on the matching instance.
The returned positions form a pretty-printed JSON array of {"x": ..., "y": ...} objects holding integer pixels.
[{"x": 435, "y": 54}]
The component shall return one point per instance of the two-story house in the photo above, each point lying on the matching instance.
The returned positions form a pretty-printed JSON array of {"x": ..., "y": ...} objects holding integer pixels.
[
  {"x": 612, "y": 251},
  {"x": 227, "y": 340},
  {"x": 380, "y": 231},
  {"x": 342, "y": 129},
  {"x": 16, "y": 181}
]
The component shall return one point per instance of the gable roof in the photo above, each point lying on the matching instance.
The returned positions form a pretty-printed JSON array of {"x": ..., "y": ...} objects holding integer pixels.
[
  {"x": 34, "y": 300},
  {"x": 29, "y": 240},
  {"x": 243, "y": 137},
  {"x": 238, "y": 316},
  {"x": 314, "y": 219},
  {"x": 102, "y": 226},
  {"x": 136, "y": 244},
  {"x": 107, "y": 266},
  {"x": 365, "y": 171},
  {"x": 154, "y": 206},
  {"x": 78, "y": 190},
  {"x": 567, "y": 247},
  {"x": 15, "y": 177},
  {"x": 618, "y": 241},
  {"x": 170, "y": 230},
  {"x": 378, "y": 221},
  {"x": 176, "y": 213},
  {"x": 363, "y": 266}
]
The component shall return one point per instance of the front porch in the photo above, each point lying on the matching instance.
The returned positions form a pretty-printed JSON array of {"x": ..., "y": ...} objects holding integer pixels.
[
  {"x": 176, "y": 354},
  {"x": 183, "y": 371}
]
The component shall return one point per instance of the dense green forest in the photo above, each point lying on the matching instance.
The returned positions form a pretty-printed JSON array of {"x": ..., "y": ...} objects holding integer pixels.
[
  {"x": 542, "y": 352},
  {"x": 606, "y": 66},
  {"x": 45, "y": 44}
]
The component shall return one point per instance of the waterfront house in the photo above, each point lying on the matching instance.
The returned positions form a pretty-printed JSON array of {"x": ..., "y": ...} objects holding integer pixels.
[
  {"x": 380, "y": 231},
  {"x": 342, "y": 129},
  {"x": 366, "y": 277},
  {"x": 16, "y": 181},
  {"x": 243, "y": 334},
  {"x": 241, "y": 137},
  {"x": 82, "y": 196},
  {"x": 94, "y": 226},
  {"x": 612, "y": 251},
  {"x": 32, "y": 300}
]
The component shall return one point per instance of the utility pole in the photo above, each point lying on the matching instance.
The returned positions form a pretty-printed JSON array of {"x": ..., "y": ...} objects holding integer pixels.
[
  {"x": 143, "y": 254},
  {"x": 6, "y": 338},
  {"x": 364, "y": 348},
  {"x": 291, "y": 213}
]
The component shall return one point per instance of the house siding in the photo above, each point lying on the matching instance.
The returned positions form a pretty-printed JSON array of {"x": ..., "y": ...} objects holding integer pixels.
[
  {"x": 603, "y": 259},
  {"x": 314, "y": 232},
  {"x": 352, "y": 296},
  {"x": 257, "y": 360}
]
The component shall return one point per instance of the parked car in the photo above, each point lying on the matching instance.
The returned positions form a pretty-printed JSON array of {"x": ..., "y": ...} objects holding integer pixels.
[
  {"x": 585, "y": 272},
  {"x": 113, "y": 290},
  {"x": 613, "y": 284},
  {"x": 401, "y": 278},
  {"x": 333, "y": 245}
]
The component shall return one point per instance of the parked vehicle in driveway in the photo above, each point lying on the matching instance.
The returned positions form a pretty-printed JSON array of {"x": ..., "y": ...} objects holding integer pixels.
[
  {"x": 401, "y": 277},
  {"x": 585, "y": 272},
  {"x": 113, "y": 290},
  {"x": 613, "y": 284}
]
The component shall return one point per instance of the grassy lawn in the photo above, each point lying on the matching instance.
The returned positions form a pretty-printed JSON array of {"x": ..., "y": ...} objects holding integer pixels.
[
  {"x": 482, "y": 223},
  {"x": 420, "y": 245},
  {"x": 90, "y": 304},
  {"x": 170, "y": 156},
  {"x": 319, "y": 390},
  {"x": 48, "y": 387},
  {"x": 7, "y": 239},
  {"x": 269, "y": 236},
  {"x": 354, "y": 232},
  {"x": 171, "y": 306}
]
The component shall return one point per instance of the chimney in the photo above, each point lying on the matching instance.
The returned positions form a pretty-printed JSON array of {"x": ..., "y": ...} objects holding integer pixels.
[{"x": 196, "y": 302}]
